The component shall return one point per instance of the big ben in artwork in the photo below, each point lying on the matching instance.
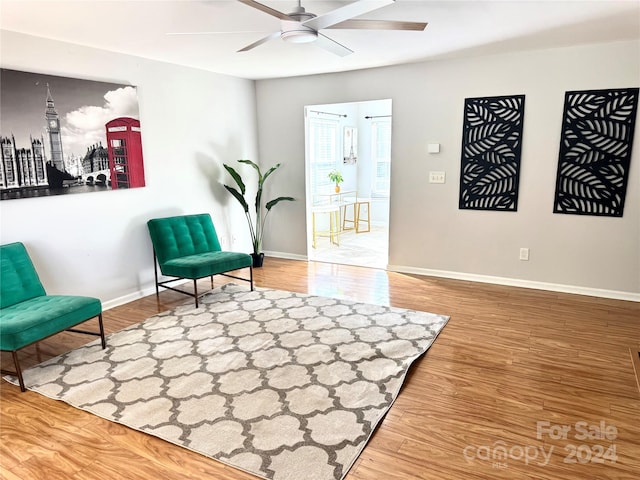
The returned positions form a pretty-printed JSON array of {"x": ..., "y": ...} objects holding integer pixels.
[{"x": 55, "y": 140}]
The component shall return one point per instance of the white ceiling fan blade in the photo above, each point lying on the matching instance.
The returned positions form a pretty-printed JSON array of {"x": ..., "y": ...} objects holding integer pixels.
[
  {"x": 263, "y": 8},
  {"x": 260, "y": 42},
  {"x": 347, "y": 12},
  {"x": 361, "y": 24},
  {"x": 213, "y": 33},
  {"x": 332, "y": 46}
]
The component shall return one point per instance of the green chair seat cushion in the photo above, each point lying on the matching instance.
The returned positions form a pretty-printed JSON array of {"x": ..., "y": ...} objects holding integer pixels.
[
  {"x": 205, "y": 264},
  {"x": 40, "y": 317}
]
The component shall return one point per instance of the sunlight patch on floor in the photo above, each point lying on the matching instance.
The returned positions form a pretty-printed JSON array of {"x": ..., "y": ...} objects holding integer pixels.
[{"x": 366, "y": 249}]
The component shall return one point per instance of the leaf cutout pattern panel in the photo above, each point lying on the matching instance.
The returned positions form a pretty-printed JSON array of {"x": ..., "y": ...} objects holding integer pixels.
[
  {"x": 491, "y": 147},
  {"x": 595, "y": 151}
]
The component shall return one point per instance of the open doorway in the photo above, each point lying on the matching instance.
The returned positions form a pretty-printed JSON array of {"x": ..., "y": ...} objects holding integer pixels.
[{"x": 349, "y": 226}]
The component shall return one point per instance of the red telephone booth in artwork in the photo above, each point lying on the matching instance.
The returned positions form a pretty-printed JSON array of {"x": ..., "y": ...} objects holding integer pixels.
[{"x": 125, "y": 153}]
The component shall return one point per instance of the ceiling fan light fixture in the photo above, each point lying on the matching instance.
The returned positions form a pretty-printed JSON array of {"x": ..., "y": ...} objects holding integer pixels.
[
  {"x": 293, "y": 31},
  {"x": 299, "y": 36}
]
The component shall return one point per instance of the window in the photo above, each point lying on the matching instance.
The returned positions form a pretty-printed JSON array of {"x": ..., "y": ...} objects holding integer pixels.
[
  {"x": 118, "y": 146},
  {"x": 323, "y": 152},
  {"x": 381, "y": 156}
]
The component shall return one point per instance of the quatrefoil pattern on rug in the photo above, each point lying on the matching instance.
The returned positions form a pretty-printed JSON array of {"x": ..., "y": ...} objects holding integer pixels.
[{"x": 283, "y": 385}]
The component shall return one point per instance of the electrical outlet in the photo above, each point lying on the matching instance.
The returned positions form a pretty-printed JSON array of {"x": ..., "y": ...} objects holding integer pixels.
[
  {"x": 524, "y": 254},
  {"x": 436, "y": 177}
]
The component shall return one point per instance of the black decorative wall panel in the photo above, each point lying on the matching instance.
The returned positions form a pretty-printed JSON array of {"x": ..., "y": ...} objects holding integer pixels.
[
  {"x": 595, "y": 151},
  {"x": 491, "y": 146}
]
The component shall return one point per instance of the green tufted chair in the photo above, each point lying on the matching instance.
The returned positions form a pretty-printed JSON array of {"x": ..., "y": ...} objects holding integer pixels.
[
  {"x": 187, "y": 247},
  {"x": 28, "y": 314}
]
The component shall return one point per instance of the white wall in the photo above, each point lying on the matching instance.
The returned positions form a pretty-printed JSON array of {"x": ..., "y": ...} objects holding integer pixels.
[
  {"x": 192, "y": 121},
  {"x": 428, "y": 233}
]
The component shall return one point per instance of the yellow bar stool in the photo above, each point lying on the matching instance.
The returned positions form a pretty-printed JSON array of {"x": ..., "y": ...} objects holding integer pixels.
[
  {"x": 334, "y": 223},
  {"x": 360, "y": 202},
  {"x": 349, "y": 205},
  {"x": 358, "y": 217}
]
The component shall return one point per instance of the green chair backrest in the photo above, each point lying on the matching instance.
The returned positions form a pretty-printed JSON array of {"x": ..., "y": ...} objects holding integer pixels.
[
  {"x": 175, "y": 237},
  {"x": 19, "y": 280}
]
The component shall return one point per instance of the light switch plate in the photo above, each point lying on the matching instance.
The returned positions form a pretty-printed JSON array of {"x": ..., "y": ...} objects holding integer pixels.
[
  {"x": 433, "y": 148},
  {"x": 436, "y": 177}
]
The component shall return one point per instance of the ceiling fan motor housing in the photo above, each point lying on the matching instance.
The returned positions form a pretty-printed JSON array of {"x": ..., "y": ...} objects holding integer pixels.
[{"x": 294, "y": 31}]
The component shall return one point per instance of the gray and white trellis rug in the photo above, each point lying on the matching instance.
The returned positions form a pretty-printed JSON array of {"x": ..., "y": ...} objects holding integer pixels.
[{"x": 283, "y": 385}]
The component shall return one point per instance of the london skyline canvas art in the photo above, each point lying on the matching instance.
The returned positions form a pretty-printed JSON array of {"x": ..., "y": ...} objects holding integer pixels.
[{"x": 61, "y": 135}]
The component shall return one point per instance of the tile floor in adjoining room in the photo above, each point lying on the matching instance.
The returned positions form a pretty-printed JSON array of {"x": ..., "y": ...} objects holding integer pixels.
[{"x": 366, "y": 249}]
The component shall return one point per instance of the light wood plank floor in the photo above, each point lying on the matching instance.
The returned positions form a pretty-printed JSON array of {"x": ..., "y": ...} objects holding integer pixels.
[{"x": 508, "y": 359}]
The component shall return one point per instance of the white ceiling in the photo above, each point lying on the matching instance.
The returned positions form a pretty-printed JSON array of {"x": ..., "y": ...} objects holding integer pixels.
[{"x": 455, "y": 28}]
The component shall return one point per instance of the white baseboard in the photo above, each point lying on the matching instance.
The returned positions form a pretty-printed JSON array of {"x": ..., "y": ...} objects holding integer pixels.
[
  {"x": 471, "y": 277},
  {"x": 287, "y": 256},
  {"x": 515, "y": 282},
  {"x": 116, "y": 302},
  {"x": 150, "y": 290}
]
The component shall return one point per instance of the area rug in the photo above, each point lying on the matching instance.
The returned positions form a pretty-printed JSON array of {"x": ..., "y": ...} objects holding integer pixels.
[{"x": 283, "y": 385}]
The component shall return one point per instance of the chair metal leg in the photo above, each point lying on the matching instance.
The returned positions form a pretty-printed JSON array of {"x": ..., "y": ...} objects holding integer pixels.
[
  {"x": 195, "y": 291},
  {"x": 103, "y": 340},
  {"x": 88, "y": 332},
  {"x": 18, "y": 371},
  {"x": 16, "y": 361},
  {"x": 251, "y": 276},
  {"x": 155, "y": 271}
]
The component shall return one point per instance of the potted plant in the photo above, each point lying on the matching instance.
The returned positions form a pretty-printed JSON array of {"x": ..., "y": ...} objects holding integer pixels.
[
  {"x": 261, "y": 211},
  {"x": 336, "y": 177}
]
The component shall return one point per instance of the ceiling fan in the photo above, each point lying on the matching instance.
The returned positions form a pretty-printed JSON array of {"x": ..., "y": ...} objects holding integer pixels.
[{"x": 301, "y": 26}]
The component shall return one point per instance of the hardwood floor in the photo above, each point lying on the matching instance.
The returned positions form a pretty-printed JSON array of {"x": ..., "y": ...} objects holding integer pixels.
[{"x": 488, "y": 401}]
